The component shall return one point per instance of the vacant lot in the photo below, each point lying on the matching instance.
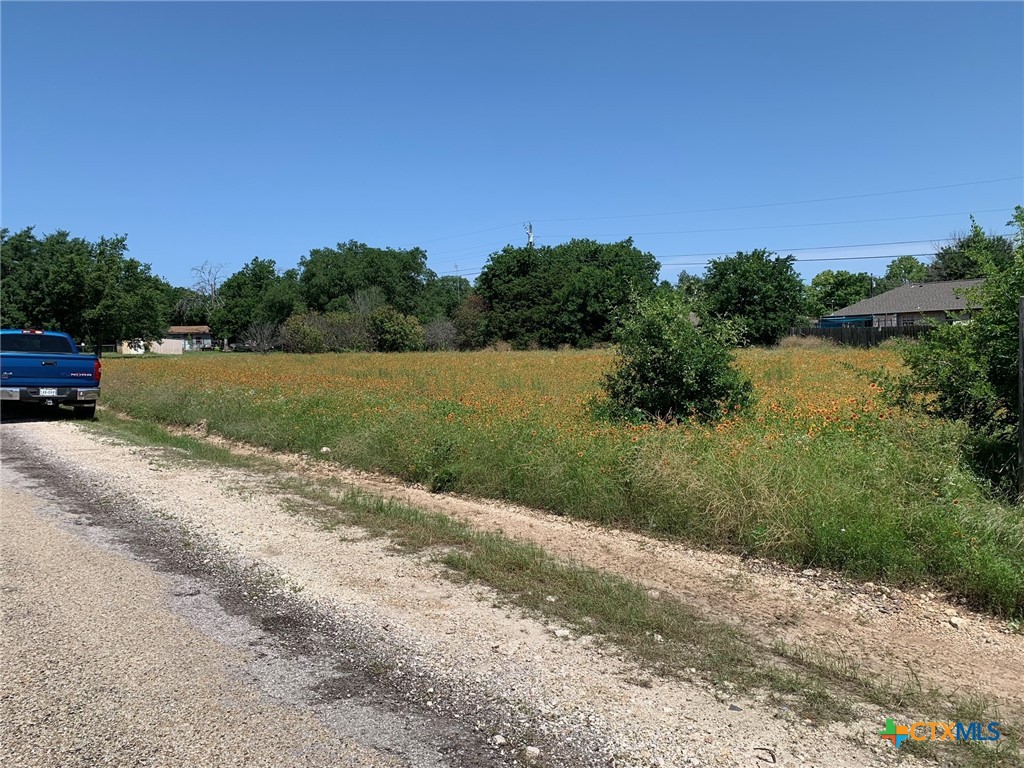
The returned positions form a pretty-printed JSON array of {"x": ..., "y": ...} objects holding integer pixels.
[{"x": 819, "y": 473}]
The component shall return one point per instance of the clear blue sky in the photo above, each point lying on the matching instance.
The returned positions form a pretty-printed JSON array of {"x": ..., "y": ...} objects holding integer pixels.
[{"x": 220, "y": 132}]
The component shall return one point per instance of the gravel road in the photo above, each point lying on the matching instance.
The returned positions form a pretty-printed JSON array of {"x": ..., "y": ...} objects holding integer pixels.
[
  {"x": 196, "y": 620},
  {"x": 119, "y": 650}
]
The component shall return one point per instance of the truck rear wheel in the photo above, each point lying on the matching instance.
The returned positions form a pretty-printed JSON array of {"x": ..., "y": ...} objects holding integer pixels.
[{"x": 85, "y": 411}]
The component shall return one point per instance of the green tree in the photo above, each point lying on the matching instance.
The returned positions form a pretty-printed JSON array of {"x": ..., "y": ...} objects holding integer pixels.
[
  {"x": 969, "y": 254},
  {"x": 670, "y": 368},
  {"x": 92, "y": 291},
  {"x": 123, "y": 299},
  {"x": 329, "y": 276},
  {"x": 565, "y": 294},
  {"x": 832, "y": 290},
  {"x": 254, "y": 294},
  {"x": 196, "y": 305},
  {"x": 691, "y": 287},
  {"x": 470, "y": 321},
  {"x": 968, "y": 371},
  {"x": 759, "y": 289},
  {"x": 185, "y": 307},
  {"x": 394, "y": 332},
  {"x": 903, "y": 271},
  {"x": 22, "y": 280},
  {"x": 441, "y": 296},
  {"x": 303, "y": 333}
]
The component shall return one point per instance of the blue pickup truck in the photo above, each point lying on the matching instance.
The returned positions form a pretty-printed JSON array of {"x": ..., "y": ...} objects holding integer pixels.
[{"x": 46, "y": 367}]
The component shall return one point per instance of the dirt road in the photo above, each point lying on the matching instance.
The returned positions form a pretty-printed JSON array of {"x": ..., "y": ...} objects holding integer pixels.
[{"x": 192, "y": 610}]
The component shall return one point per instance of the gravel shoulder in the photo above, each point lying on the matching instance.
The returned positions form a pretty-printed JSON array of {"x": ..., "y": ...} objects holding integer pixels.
[
  {"x": 98, "y": 670},
  {"x": 454, "y": 650},
  {"x": 883, "y": 630}
]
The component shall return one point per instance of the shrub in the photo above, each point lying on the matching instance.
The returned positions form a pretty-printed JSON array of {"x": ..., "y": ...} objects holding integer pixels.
[
  {"x": 440, "y": 334},
  {"x": 470, "y": 319},
  {"x": 968, "y": 371},
  {"x": 262, "y": 336},
  {"x": 669, "y": 368},
  {"x": 346, "y": 332},
  {"x": 299, "y": 334},
  {"x": 394, "y": 332}
]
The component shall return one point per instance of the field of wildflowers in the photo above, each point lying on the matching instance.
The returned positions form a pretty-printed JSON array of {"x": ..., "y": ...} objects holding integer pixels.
[{"x": 819, "y": 473}]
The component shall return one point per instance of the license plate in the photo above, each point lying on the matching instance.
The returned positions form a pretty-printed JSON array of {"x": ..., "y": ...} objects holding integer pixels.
[{"x": 47, "y": 392}]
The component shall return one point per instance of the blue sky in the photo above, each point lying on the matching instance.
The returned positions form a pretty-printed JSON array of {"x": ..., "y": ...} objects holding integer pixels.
[{"x": 219, "y": 132}]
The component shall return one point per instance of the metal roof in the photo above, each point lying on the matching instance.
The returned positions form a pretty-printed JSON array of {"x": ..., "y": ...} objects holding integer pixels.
[{"x": 945, "y": 296}]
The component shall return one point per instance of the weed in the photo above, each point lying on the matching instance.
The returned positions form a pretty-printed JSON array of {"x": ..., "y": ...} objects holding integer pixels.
[
  {"x": 664, "y": 636},
  {"x": 820, "y": 473}
]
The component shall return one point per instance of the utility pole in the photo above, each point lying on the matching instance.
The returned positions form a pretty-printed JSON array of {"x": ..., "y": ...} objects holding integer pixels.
[{"x": 528, "y": 226}]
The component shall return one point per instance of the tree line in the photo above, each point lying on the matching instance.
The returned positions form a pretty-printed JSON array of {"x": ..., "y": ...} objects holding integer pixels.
[{"x": 357, "y": 297}]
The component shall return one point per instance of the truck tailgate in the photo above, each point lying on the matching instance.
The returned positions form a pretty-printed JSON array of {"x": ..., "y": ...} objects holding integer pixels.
[{"x": 21, "y": 369}]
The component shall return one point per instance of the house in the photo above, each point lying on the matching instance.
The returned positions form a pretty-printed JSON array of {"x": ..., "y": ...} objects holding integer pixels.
[
  {"x": 162, "y": 347},
  {"x": 911, "y": 304},
  {"x": 193, "y": 336},
  {"x": 177, "y": 339}
]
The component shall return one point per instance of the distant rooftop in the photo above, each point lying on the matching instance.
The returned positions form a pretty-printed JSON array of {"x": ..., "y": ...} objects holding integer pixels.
[
  {"x": 182, "y": 330},
  {"x": 945, "y": 296}
]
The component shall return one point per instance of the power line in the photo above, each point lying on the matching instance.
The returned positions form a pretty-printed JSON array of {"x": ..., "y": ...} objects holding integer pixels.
[
  {"x": 493, "y": 245},
  {"x": 733, "y": 208},
  {"x": 791, "y": 250},
  {"x": 824, "y": 258},
  {"x": 787, "y": 226},
  {"x": 802, "y": 261},
  {"x": 467, "y": 234},
  {"x": 485, "y": 246},
  {"x": 830, "y": 247},
  {"x": 789, "y": 202},
  {"x": 815, "y": 248}
]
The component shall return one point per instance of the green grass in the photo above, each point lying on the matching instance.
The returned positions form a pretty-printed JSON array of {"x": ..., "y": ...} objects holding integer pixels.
[{"x": 887, "y": 500}]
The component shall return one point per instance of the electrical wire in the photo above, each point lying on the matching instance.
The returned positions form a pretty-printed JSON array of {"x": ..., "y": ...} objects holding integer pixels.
[
  {"x": 790, "y": 202},
  {"x": 785, "y": 226}
]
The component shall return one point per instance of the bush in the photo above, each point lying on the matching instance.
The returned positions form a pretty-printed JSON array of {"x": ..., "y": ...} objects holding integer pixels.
[
  {"x": 300, "y": 334},
  {"x": 346, "y": 332},
  {"x": 441, "y": 335},
  {"x": 394, "y": 332},
  {"x": 669, "y": 368},
  {"x": 262, "y": 336},
  {"x": 470, "y": 319},
  {"x": 968, "y": 371}
]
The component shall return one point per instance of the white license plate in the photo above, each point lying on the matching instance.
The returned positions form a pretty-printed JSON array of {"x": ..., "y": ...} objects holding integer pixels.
[{"x": 47, "y": 392}]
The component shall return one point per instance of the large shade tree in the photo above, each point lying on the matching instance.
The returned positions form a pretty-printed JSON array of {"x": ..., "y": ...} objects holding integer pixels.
[
  {"x": 330, "y": 277},
  {"x": 831, "y": 290},
  {"x": 564, "y": 294},
  {"x": 758, "y": 288},
  {"x": 254, "y": 294},
  {"x": 92, "y": 291},
  {"x": 903, "y": 270},
  {"x": 970, "y": 254}
]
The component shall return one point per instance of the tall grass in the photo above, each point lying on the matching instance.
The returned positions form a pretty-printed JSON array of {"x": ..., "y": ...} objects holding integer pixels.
[{"x": 821, "y": 473}]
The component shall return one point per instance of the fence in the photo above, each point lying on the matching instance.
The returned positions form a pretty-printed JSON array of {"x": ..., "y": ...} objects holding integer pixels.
[{"x": 864, "y": 337}]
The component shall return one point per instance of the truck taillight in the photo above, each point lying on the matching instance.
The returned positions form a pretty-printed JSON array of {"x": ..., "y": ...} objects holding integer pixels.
[{"x": 96, "y": 371}]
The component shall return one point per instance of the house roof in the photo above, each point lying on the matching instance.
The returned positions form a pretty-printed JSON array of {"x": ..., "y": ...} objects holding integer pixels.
[
  {"x": 186, "y": 329},
  {"x": 945, "y": 296}
]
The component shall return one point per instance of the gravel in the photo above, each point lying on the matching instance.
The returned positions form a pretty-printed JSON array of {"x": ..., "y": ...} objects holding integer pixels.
[{"x": 451, "y": 656}]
